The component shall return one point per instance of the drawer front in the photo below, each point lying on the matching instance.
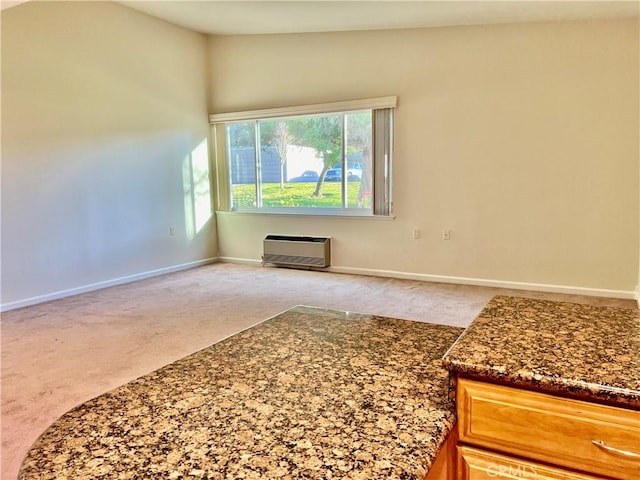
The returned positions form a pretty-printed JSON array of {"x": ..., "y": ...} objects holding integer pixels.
[
  {"x": 549, "y": 429},
  {"x": 474, "y": 464}
]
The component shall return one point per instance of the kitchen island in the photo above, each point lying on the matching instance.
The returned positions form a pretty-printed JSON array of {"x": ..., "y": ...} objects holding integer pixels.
[
  {"x": 549, "y": 390},
  {"x": 583, "y": 351},
  {"x": 310, "y": 393}
]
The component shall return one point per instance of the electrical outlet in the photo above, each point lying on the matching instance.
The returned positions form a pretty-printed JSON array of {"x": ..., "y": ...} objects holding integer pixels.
[
  {"x": 416, "y": 233},
  {"x": 446, "y": 234}
]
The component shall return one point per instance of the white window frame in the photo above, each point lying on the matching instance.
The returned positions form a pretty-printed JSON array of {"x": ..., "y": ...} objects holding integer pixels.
[{"x": 380, "y": 206}]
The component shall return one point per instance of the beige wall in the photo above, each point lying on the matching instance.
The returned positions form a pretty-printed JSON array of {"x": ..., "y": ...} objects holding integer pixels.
[
  {"x": 102, "y": 108},
  {"x": 521, "y": 139}
]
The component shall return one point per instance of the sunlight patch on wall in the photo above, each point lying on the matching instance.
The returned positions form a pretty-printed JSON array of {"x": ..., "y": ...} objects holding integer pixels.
[{"x": 197, "y": 189}]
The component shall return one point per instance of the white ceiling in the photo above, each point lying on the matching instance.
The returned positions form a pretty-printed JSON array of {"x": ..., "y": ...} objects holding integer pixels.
[
  {"x": 256, "y": 17},
  {"x": 229, "y": 17}
]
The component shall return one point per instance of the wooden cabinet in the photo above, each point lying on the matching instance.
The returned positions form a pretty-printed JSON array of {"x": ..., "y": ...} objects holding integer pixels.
[
  {"x": 476, "y": 464},
  {"x": 443, "y": 467},
  {"x": 537, "y": 430}
]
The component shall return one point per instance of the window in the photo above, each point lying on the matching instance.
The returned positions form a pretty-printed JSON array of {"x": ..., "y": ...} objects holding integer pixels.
[{"x": 311, "y": 160}]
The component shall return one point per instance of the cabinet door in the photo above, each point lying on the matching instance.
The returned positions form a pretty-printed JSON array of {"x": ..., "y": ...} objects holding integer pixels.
[
  {"x": 476, "y": 464},
  {"x": 573, "y": 434}
]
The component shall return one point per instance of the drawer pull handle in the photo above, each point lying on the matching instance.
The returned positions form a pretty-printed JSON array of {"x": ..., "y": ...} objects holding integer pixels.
[{"x": 604, "y": 446}]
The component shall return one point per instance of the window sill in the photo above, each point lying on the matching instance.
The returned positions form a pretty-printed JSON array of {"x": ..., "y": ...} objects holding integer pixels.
[{"x": 322, "y": 214}]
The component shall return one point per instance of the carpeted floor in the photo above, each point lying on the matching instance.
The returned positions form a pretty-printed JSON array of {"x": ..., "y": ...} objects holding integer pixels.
[{"x": 62, "y": 353}]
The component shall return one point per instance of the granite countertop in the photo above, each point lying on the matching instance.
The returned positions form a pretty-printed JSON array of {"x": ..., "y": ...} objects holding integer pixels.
[
  {"x": 582, "y": 351},
  {"x": 310, "y": 393}
]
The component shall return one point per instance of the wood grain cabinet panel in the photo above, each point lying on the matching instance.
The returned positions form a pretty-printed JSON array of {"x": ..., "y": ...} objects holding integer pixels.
[
  {"x": 443, "y": 467},
  {"x": 474, "y": 464},
  {"x": 550, "y": 429}
]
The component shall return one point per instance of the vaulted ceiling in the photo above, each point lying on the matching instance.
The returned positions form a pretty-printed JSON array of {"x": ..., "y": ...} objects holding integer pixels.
[
  {"x": 256, "y": 17},
  {"x": 219, "y": 17}
]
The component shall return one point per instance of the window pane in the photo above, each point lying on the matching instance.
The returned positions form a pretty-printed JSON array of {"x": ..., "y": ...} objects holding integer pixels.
[
  {"x": 323, "y": 134},
  {"x": 276, "y": 143},
  {"x": 359, "y": 167},
  {"x": 242, "y": 166},
  {"x": 325, "y": 161},
  {"x": 295, "y": 153}
]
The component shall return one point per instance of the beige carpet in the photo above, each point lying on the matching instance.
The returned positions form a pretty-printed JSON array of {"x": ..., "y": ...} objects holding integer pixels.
[{"x": 59, "y": 354}]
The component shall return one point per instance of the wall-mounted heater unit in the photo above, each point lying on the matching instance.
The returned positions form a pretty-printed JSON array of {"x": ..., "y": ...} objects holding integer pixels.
[{"x": 294, "y": 251}]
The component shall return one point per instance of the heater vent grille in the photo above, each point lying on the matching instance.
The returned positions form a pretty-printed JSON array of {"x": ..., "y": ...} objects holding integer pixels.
[{"x": 297, "y": 251}]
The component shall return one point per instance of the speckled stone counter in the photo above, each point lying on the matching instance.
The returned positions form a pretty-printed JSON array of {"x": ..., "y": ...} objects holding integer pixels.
[
  {"x": 590, "y": 352},
  {"x": 310, "y": 393}
]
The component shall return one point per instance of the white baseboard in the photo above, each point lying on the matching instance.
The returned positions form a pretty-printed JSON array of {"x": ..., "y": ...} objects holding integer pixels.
[
  {"x": 481, "y": 282},
  {"x": 638, "y": 295},
  {"x": 539, "y": 287},
  {"x": 108, "y": 283},
  {"x": 242, "y": 261}
]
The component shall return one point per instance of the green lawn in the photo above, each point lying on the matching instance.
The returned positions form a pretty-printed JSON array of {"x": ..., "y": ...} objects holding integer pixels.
[{"x": 296, "y": 195}]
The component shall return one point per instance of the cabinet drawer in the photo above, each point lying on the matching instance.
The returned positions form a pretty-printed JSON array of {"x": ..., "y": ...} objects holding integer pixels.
[
  {"x": 549, "y": 429},
  {"x": 474, "y": 464}
]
